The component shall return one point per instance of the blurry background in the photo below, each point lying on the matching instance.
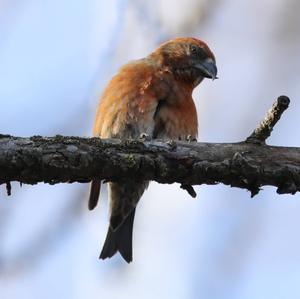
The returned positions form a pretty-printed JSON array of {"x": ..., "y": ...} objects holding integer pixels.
[{"x": 55, "y": 58}]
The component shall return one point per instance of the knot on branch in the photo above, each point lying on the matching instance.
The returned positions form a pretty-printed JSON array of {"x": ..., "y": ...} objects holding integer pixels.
[{"x": 248, "y": 170}]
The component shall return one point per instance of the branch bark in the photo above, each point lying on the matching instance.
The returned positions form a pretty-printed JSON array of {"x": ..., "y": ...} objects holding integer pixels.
[{"x": 59, "y": 159}]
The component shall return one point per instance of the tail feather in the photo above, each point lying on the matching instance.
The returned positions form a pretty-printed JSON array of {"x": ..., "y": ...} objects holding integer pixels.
[
  {"x": 119, "y": 240},
  {"x": 94, "y": 194}
]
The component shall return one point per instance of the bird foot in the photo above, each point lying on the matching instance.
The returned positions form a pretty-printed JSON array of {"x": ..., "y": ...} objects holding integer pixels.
[
  {"x": 191, "y": 138},
  {"x": 144, "y": 137},
  {"x": 172, "y": 144}
]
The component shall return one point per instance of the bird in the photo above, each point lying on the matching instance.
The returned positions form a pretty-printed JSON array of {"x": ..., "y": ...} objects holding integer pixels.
[{"x": 150, "y": 97}]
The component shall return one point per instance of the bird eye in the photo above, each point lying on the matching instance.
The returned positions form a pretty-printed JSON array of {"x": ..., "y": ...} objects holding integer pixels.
[
  {"x": 194, "y": 49},
  {"x": 198, "y": 51}
]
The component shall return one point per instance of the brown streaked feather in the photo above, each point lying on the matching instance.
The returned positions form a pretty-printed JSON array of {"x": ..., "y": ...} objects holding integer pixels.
[{"x": 130, "y": 100}]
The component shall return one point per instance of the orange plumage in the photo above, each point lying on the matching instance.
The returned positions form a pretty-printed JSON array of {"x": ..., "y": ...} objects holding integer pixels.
[{"x": 150, "y": 96}]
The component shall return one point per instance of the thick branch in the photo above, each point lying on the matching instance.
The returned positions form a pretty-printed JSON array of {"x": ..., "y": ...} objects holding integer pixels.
[
  {"x": 250, "y": 164},
  {"x": 73, "y": 159}
]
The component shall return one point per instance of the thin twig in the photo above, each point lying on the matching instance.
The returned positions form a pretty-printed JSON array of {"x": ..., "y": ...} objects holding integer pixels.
[
  {"x": 264, "y": 129},
  {"x": 190, "y": 190},
  {"x": 8, "y": 188}
]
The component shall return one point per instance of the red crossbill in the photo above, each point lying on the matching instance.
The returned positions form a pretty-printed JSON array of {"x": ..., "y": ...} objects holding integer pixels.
[{"x": 150, "y": 96}]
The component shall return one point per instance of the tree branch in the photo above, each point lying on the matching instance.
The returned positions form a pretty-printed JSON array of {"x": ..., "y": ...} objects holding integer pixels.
[
  {"x": 59, "y": 159},
  {"x": 265, "y": 128}
]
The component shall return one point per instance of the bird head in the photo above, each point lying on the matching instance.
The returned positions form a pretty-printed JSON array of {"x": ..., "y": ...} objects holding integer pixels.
[{"x": 190, "y": 59}]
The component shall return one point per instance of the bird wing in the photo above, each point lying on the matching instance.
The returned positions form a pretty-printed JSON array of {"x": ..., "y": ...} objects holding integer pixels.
[
  {"x": 127, "y": 109},
  {"x": 129, "y": 102}
]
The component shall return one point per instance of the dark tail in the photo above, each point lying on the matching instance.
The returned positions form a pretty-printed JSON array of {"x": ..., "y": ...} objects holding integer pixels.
[
  {"x": 119, "y": 240},
  {"x": 94, "y": 194}
]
